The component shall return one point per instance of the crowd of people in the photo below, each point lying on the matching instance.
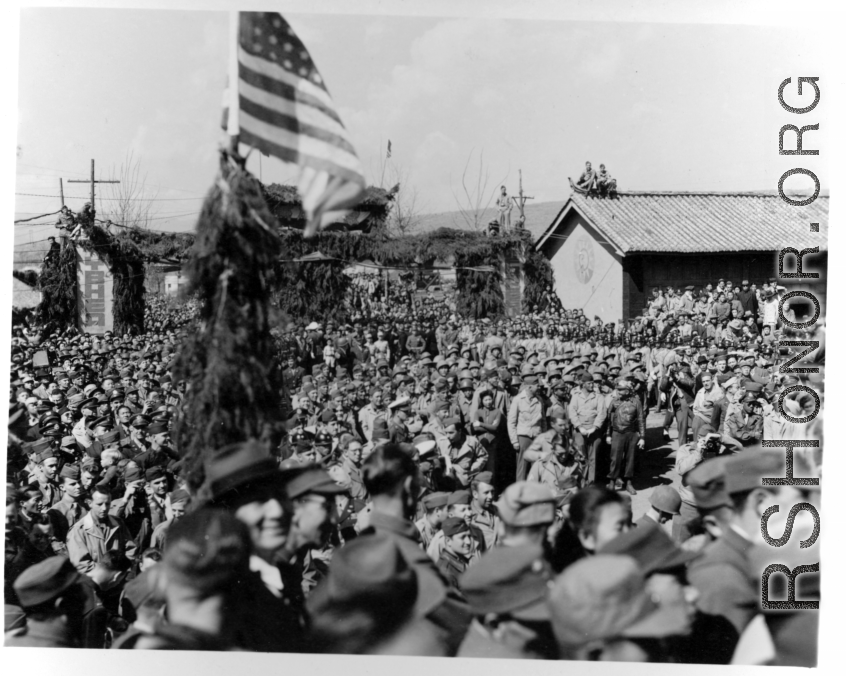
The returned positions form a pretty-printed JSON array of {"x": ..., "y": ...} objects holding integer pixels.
[
  {"x": 446, "y": 487},
  {"x": 370, "y": 295}
]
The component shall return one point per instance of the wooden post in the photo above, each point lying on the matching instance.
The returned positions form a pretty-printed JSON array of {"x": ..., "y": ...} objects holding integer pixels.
[
  {"x": 92, "y": 181},
  {"x": 62, "y": 192},
  {"x": 521, "y": 199}
]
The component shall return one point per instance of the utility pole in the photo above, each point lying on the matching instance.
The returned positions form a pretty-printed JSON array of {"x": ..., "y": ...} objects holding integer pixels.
[
  {"x": 521, "y": 199},
  {"x": 92, "y": 181},
  {"x": 62, "y": 192}
]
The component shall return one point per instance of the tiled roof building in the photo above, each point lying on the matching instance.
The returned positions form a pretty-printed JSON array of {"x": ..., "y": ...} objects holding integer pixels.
[{"x": 608, "y": 252}]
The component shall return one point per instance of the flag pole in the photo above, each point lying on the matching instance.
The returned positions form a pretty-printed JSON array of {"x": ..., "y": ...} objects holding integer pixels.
[{"x": 233, "y": 128}]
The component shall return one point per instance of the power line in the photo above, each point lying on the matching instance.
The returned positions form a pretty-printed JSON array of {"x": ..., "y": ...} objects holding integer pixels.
[
  {"x": 152, "y": 218},
  {"x": 117, "y": 199},
  {"x": 80, "y": 173},
  {"x": 24, "y": 220}
]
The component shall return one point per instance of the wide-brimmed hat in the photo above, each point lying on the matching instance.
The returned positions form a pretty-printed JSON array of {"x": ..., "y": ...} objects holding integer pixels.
[
  {"x": 368, "y": 572},
  {"x": 604, "y": 597},
  {"x": 651, "y": 547},
  {"x": 509, "y": 580},
  {"x": 527, "y": 503},
  {"x": 238, "y": 465},
  {"x": 45, "y": 581}
]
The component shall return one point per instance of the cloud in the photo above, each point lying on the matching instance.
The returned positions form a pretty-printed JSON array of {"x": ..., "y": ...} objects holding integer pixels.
[
  {"x": 374, "y": 30},
  {"x": 468, "y": 85}
]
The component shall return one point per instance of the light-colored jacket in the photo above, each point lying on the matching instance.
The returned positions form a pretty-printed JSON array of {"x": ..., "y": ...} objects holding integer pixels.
[
  {"x": 704, "y": 402},
  {"x": 88, "y": 543},
  {"x": 526, "y": 417},
  {"x": 367, "y": 415},
  {"x": 587, "y": 410}
]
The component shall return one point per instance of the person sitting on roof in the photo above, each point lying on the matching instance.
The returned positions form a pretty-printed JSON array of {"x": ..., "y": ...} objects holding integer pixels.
[
  {"x": 587, "y": 178},
  {"x": 606, "y": 185}
]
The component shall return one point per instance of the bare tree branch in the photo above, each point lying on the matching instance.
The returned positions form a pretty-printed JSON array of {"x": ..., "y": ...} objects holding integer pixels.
[
  {"x": 129, "y": 202},
  {"x": 405, "y": 214},
  {"x": 473, "y": 204}
]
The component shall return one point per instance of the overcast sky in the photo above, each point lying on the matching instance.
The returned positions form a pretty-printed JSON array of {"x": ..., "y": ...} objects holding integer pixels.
[{"x": 664, "y": 106}]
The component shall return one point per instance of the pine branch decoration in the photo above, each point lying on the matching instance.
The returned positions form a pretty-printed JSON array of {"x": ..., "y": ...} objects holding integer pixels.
[
  {"x": 58, "y": 283},
  {"x": 234, "y": 379}
]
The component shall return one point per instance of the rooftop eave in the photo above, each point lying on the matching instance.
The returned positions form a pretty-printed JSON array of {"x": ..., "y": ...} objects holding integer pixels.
[{"x": 566, "y": 209}]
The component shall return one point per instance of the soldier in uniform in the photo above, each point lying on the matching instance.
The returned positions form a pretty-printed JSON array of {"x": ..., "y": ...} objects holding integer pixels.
[
  {"x": 53, "y": 252},
  {"x": 628, "y": 430},
  {"x": 507, "y": 592},
  {"x": 552, "y": 442},
  {"x": 435, "y": 507},
  {"x": 157, "y": 480},
  {"x": 159, "y": 454},
  {"x": 54, "y": 602},
  {"x": 66, "y": 222},
  {"x": 138, "y": 434},
  {"x": 664, "y": 505},
  {"x": 525, "y": 420},
  {"x": 71, "y": 508},
  {"x": 465, "y": 455},
  {"x": 746, "y": 426},
  {"x": 179, "y": 500},
  {"x": 351, "y": 460},
  {"x": 455, "y": 557},
  {"x": 483, "y": 514},
  {"x": 587, "y": 413},
  {"x": 391, "y": 479},
  {"x": 721, "y": 574},
  {"x": 459, "y": 506},
  {"x": 293, "y": 374},
  {"x": 399, "y": 410},
  {"x": 601, "y": 609},
  {"x": 99, "y": 532},
  {"x": 527, "y": 510},
  {"x": 48, "y": 466}
]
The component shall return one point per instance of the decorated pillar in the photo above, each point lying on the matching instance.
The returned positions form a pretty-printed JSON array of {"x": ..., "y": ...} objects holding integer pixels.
[
  {"x": 513, "y": 282},
  {"x": 94, "y": 294}
]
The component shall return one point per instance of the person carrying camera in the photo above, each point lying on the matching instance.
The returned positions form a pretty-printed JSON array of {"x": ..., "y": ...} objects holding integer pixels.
[
  {"x": 682, "y": 386},
  {"x": 707, "y": 445}
]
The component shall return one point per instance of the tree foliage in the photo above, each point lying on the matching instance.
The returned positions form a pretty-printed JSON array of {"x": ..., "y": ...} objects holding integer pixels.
[
  {"x": 539, "y": 289},
  {"x": 309, "y": 290},
  {"x": 58, "y": 282},
  {"x": 235, "y": 385}
]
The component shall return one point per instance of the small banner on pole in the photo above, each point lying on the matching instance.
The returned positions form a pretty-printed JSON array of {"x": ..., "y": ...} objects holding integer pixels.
[{"x": 94, "y": 299}]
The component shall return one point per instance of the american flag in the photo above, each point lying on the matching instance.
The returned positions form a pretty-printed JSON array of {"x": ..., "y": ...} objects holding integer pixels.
[{"x": 284, "y": 110}]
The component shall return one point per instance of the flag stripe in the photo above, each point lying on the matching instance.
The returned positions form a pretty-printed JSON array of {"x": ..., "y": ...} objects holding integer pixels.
[
  {"x": 300, "y": 143},
  {"x": 286, "y": 153},
  {"x": 285, "y": 110},
  {"x": 306, "y": 113},
  {"x": 278, "y": 73},
  {"x": 303, "y": 118},
  {"x": 293, "y": 125},
  {"x": 284, "y": 90}
]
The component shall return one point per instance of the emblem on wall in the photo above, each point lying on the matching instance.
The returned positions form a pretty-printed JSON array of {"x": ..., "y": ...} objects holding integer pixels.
[{"x": 584, "y": 259}]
